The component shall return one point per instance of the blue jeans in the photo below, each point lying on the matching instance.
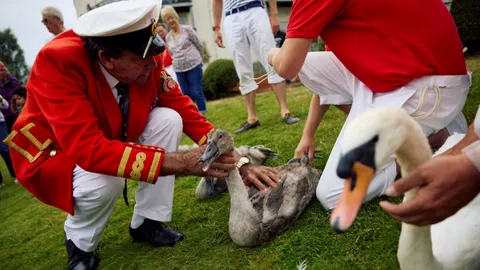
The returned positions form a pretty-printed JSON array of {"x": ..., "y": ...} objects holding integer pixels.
[
  {"x": 4, "y": 152},
  {"x": 191, "y": 84}
]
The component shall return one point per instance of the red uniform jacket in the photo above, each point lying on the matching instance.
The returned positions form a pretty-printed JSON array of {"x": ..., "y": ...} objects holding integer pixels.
[{"x": 71, "y": 117}]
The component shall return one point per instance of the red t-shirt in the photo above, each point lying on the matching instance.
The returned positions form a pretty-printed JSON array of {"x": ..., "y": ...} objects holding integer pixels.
[{"x": 384, "y": 43}]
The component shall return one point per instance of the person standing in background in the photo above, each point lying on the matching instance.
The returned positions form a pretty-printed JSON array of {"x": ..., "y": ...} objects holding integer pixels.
[
  {"x": 187, "y": 53},
  {"x": 162, "y": 30},
  {"x": 18, "y": 100},
  {"x": 4, "y": 152},
  {"x": 8, "y": 84},
  {"x": 247, "y": 25},
  {"x": 52, "y": 18}
]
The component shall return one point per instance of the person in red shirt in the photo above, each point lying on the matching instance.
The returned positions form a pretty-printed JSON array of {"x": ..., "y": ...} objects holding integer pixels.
[{"x": 383, "y": 53}]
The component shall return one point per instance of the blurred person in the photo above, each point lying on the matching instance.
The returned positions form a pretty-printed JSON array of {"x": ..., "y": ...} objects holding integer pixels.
[
  {"x": 187, "y": 52},
  {"x": 18, "y": 100},
  {"x": 4, "y": 152},
  {"x": 52, "y": 18},
  {"x": 8, "y": 84},
  {"x": 162, "y": 30}
]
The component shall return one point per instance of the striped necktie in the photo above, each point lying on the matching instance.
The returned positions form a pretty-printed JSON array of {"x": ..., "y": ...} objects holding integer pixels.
[{"x": 124, "y": 104}]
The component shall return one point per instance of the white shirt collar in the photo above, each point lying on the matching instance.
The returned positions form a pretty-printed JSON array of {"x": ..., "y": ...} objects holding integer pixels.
[{"x": 112, "y": 82}]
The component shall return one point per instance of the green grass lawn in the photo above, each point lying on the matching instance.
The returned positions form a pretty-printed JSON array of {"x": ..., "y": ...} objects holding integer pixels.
[{"x": 31, "y": 233}]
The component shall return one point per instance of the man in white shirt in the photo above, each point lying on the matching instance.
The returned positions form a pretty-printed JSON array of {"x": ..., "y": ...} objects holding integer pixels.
[
  {"x": 52, "y": 18},
  {"x": 247, "y": 24}
]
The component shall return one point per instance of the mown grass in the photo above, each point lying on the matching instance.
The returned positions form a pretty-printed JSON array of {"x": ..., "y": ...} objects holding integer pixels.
[{"x": 31, "y": 233}]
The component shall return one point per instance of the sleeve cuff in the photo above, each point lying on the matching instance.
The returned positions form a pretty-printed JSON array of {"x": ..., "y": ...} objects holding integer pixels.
[{"x": 141, "y": 162}]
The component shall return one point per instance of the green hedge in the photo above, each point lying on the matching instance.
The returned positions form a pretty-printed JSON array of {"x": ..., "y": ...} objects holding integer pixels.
[
  {"x": 466, "y": 14},
  {"x": 219, "y": 79}
]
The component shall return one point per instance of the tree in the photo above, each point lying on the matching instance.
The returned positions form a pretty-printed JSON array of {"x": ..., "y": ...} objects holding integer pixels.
[
  {"x": 11, "y": 54},
  {"x": 466, "y": 14}
]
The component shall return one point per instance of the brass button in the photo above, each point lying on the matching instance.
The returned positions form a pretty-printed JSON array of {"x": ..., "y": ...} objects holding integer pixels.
[{"x": 53, "y": 152}]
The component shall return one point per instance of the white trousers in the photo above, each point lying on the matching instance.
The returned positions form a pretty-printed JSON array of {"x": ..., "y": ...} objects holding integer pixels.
[
  {"x": 242, "y": 29},
  {"x": 95, "y": 195},
  {"x": 327, "y": 77}
]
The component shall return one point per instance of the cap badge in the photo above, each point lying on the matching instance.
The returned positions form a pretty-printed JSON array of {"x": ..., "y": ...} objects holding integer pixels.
[
  {"x": 154, "y": 28},
  {"x": 168, "y": 82}
]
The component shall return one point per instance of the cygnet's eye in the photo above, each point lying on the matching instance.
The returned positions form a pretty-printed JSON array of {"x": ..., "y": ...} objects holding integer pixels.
[{"x": 221, "y": 136}]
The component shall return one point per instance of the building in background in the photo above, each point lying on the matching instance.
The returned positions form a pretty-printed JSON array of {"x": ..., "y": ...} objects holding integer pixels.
[{"x": 198, "y": 14}]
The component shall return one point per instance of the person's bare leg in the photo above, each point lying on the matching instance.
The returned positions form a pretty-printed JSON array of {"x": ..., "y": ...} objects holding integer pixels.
[
  {"x": 251, "y": 107},
  {"x": 344, "y": 108},
  {"x": 280, "y": 90}
]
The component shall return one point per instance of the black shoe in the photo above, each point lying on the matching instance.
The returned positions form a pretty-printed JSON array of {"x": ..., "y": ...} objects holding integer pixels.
[
  {"x": 246, "y": 126},
  {"x": 152, "y": 232},
  {"x": 79, "y": 259}
]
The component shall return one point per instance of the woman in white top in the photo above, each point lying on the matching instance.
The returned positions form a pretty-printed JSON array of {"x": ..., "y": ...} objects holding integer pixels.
[{"x": 187, "y": 53}]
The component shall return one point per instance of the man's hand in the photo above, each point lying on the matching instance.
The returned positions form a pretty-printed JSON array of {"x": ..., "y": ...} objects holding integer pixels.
[
  {"x": 306, "y": 145},
  {"x": 188, "y": 163},
  {"x": 255, "y": 175},
  {"x": 218, "y": 38},
  {"x": 445, "y": 184},
  {"x": 271, "y": 54},
  {"x": 274, "y": 22}
]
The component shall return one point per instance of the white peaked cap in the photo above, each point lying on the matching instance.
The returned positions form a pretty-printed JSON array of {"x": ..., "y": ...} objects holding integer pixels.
[{"x": 118, "y": 18}]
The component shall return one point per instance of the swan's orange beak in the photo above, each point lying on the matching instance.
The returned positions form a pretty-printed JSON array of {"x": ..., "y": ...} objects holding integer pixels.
[{"x": 352, "y": 197}]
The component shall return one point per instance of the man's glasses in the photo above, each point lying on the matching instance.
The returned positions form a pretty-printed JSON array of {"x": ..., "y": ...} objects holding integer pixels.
[{"x": 45, "y": 21}]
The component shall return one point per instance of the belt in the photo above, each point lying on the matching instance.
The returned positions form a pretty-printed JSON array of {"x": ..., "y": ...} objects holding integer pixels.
[{"x": 245, "y": 7}]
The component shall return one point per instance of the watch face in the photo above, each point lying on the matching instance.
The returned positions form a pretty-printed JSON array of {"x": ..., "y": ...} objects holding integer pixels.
[{"x": 244, "y": 160}]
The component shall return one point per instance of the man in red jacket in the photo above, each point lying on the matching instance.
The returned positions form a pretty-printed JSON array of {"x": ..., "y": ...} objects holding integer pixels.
[
  {"x": 101, "y": 109},
  {"x": 383, "y": 53}
]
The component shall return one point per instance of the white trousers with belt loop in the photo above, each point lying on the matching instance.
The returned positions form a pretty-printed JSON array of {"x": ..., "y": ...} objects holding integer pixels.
[
  {"x": 95, "y": 195},
  {"x": 436, "y": 102}
]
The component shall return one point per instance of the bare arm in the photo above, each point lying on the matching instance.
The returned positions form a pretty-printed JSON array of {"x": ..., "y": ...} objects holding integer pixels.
[
  {"x": 188, "y": 163},
  {"x": 192, "y": 35},
  {"x": 288, "y": 61},
  {"x": 272, "y": 5},
  {"x": 469, "y": 138},
  {"x": 217, "y": 7},
  {"x": 315, "y": 114}
]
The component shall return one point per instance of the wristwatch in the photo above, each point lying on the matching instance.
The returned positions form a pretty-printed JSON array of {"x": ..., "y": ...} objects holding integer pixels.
[
  {"x": 242, "y": 161},
  {"x": 215, "y": 27}
]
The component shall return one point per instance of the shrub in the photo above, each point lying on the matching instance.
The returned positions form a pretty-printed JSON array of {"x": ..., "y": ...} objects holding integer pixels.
[
  {"x": 317, "y": 45},
  {"x": 219, "y": 79},
  {"x": 466, "y": 14}
]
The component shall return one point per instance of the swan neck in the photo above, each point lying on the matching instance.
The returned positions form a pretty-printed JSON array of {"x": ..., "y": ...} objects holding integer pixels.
[
  {"x": 415, "y": 243},
  {"x": 236, "y": 188},
  {"x": 414, "y": 151}
]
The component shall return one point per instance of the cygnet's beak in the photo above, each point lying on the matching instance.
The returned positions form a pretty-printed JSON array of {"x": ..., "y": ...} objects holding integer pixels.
[
  {"x": 357, "y": 167},
  {"x": 209, "y": 156}
]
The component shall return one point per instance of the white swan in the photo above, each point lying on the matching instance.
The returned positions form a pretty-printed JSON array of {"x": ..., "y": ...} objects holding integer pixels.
[
  {"x": 369, "y": 142},
  {"x": 260, "y": 217}
]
